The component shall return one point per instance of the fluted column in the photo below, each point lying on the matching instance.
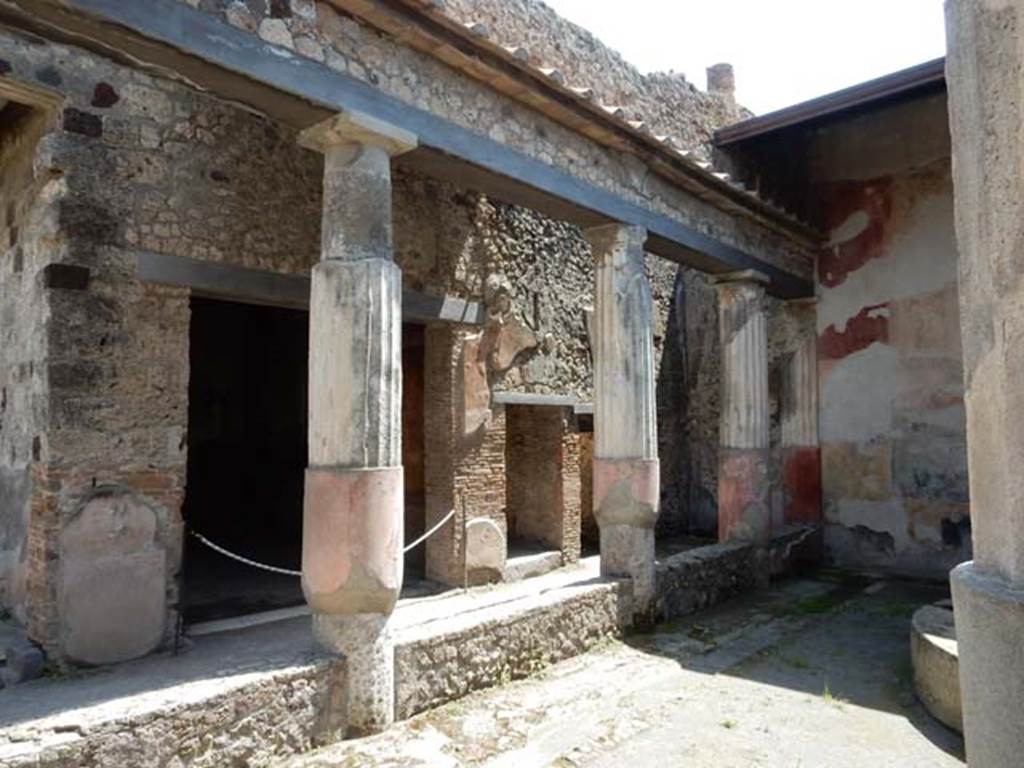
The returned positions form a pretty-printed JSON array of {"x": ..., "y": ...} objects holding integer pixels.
[
  {"x": 353, "y": 509},
  {"x": 626, "y": 479},
  {"x": 743, "y": 511},
  {"x": 801, "y": 451},
  {"x": 986, "y": 111}
]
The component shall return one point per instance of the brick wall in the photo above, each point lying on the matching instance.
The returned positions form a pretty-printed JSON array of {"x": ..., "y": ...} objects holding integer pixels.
[
  {"x": 130, "y": 163},
  {"x": 542, "y": 478},
  {"x": 464, "y": 447}
]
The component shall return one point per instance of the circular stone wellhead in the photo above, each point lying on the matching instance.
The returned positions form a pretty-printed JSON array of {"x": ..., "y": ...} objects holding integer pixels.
[{"x": 935, "y": 661}]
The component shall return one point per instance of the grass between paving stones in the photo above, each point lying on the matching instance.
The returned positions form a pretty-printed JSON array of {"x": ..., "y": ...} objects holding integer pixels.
[{"x": 829, "y": 698}]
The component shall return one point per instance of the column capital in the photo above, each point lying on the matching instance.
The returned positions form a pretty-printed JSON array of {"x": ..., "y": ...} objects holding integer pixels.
[
  {"x": 744, "y": 276},
  {"x": 605, "y": 237},
  {"x": 352, "y": 127}
]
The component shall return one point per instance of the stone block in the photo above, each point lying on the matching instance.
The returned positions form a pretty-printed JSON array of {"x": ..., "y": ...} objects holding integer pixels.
[
  {"x": 25, "y": 661},
  {"x": 485, "y": 548},
  {"x": 936, "y": 663},
  {"x": 112, "y": 608},
  {"x": 112, "y": 588}
]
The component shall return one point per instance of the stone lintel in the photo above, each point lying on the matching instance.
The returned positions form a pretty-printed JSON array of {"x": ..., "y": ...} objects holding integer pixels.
[
  {"x": 742, "y": 276},
  {"x": 531, "y": 398},
  {"x": 352, "y": 127}
]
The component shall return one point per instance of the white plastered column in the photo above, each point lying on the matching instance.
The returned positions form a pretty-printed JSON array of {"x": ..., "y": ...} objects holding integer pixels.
[
  {"x": 353, "y": 508},
  {"x": 626, "y": 472}
]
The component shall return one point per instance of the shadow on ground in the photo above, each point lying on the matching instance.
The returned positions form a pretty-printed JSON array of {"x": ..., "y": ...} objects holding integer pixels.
[{"x": 840, "y": 636}]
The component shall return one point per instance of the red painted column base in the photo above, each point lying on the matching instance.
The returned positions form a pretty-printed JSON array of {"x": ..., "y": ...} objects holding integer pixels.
[
  {"x": 626, "y": 491},
  {"x": 801, "y": 483},
  {"x": 352, "y": 536},
  {"x": 743, "y": 511}
]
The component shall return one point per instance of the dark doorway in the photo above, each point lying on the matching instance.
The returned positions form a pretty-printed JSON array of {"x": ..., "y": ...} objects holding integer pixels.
[
  {"x": 246, "y": 456},
  {"x": 413, "y": 403},
  {"x": 248, "y": 401}
]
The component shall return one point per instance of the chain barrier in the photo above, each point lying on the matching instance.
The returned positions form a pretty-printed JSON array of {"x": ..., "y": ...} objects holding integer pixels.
[{"x": 287, "y": 571}]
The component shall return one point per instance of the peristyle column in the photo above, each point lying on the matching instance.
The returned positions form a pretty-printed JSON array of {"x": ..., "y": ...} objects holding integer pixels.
[
  {"x": 986, "y": 111},
  {"x": 743, "y": 488},
  {"x": 353, "y": 510},
  {"x": 801, "y": 451},
  {"x": 626, "y": 479}
]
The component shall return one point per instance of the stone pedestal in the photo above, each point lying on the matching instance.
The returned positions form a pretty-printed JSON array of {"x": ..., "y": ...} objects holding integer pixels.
[
  {"x": 353, "y": 510},
  {"x": 626, "y": 475},
  {"x": 801, "y": 451},
  {"x": 983, "y": 72},
  {"x": 743, "y": 483}
]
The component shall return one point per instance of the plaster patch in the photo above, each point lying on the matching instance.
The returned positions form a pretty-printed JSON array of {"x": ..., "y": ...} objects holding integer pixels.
[
  {"x": 854, "y": 225},
  {"x": 858, "y": 395},
  {"x": 881, "y": 516},
  {"x": 926, "y": 263}
]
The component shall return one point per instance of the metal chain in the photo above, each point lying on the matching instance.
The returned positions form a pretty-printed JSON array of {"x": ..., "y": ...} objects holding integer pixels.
[
  {"x": 431, "y": 532},
  {"x": 289, "y": 572},
  {"x": 246, "y": 560}
]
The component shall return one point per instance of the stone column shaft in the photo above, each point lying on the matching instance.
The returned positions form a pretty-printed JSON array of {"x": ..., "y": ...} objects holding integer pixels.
[
  {"x": 983, "y": 72},
  {"x": 626, "y": 476},
  {"x": 801, "y": 451},
  {"x": 743, "y": 509},
  {"x": 354, "y": 502}
]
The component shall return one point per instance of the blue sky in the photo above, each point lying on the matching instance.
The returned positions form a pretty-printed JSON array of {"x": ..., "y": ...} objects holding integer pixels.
[{"x": 783, "y": 51}]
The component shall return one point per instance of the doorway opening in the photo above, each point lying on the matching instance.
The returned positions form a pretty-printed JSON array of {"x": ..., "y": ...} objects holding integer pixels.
[
  {"x": 414, "y": 339},
  {"x": 543, "y": 488},
  {"x": 246, "y": 456}
]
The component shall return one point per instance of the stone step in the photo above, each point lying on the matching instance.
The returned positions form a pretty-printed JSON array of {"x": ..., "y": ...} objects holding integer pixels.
[{"x": 257, "y": 694}]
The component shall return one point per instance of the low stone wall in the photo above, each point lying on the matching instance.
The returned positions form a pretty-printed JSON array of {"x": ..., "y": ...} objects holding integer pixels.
[
  {"x": 255, "y": 723},
  {"x": 437, "y": 665},
  {"x": 700, "y": 578}
]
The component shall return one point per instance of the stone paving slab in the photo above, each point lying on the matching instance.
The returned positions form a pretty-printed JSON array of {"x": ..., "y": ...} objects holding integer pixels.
[{"x": 813, "y": 672}]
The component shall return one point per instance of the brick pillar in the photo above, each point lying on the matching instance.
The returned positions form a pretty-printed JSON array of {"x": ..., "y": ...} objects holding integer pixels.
[
  {"x": 743, "y": 485},
  {"x": 353, "y": 515},
  {"x": 983, "y": 72},
  {"x": 801, "y": 452},
  {"x": 626, "y": 480},
  {"x": 572, "y": 489},
  {"x": 464, "y": 448}
]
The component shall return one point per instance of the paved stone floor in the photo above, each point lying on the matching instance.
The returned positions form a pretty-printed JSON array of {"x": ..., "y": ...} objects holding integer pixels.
[{"x": 814, "y": 672}]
